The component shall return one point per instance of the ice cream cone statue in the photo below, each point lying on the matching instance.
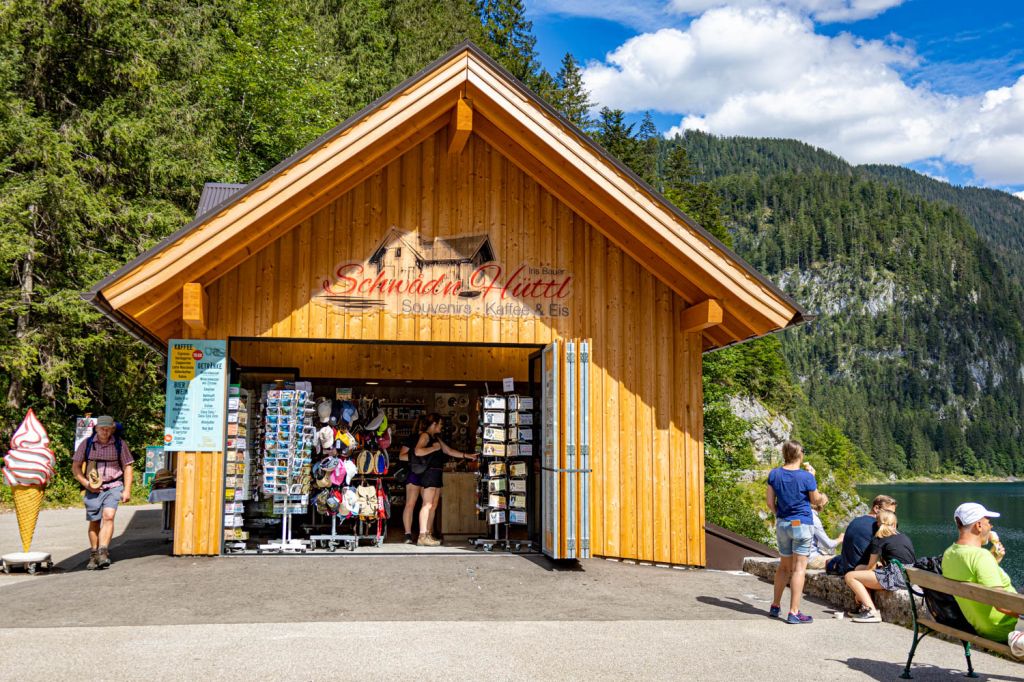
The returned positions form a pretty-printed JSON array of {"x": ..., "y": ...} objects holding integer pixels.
[{"x": 28, "y": 468}]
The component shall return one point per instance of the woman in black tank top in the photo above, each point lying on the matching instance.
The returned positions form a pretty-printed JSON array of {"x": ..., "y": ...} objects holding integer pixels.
[{"x": 430, "y": 451}]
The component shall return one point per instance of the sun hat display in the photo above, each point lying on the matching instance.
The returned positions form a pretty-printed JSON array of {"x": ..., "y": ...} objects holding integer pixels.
[
  {"x": 321, "y": 502},
  {"x": 380, "y": 463},
  {"x": 970, "y": 513},
  {"x": 349, "y": 501},
  {"x": 378, "y": 424},
  {"x": 350, "y": 470},
  {"x": 333, "y": 502},
  {"x": 323, "y": 409},
  {"x": 163, "y": 478},
  {"x": 349, "y": 411}
]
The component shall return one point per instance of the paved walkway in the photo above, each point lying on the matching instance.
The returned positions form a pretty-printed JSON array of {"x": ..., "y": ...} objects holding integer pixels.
[{"x": 370, "y": 617}]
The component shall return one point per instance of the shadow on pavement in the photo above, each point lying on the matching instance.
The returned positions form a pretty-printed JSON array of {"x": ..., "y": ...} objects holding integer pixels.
[
  {"x": 885, "y": 670},
  {"x": 563, "y": 566},
  {"x": 140, "y": 538},
  {"x": 733, "y": 604}
]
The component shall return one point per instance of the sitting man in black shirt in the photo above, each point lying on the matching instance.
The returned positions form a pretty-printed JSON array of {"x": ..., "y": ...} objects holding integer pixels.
[{"x": 857, "y": 538}]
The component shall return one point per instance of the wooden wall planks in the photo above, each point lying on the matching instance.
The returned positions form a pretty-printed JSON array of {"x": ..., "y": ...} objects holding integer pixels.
[
  {"x": 646, "y": 397},
  {"x": 199, "y": 503}
]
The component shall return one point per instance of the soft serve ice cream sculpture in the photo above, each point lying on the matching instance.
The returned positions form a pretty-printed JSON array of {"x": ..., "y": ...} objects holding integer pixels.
[{"x": 28, "y": 468}]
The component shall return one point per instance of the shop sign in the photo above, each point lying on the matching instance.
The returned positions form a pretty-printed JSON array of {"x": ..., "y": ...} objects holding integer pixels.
[
  {"x": 456, "y": 276},
  {"x": 196, "y": 394}
]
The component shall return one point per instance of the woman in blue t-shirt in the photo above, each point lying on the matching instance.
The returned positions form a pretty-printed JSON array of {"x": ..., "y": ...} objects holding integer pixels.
[{"x": 791, "y": 491}]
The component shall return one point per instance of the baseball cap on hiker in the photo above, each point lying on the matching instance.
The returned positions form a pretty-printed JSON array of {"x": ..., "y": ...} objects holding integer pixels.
[
  {"x": 105, "y": 420},
  {"x": 970, "y": 513}
]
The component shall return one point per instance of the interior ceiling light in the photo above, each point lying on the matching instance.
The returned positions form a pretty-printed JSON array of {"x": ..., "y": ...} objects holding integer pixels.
[
  {"x": 460, "y": 384},
  {"x": 371, "y": 383}
]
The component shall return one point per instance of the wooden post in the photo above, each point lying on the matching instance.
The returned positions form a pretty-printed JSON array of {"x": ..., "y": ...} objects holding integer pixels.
[
  {"x": 194, "y": 305},
  {"x": 702, "y": 315},
  {"x": 460, "y": 127}
]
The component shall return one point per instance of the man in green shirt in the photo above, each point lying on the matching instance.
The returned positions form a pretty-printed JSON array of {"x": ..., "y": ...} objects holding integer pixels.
[{"x": 966, "y": 561}]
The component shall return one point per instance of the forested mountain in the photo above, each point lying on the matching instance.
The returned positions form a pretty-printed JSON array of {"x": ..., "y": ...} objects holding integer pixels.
[
  {"x": 917, "y": 353},
  {"x": 997, "y": 216}
]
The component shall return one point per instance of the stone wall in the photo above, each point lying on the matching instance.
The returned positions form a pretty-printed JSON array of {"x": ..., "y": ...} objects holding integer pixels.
[{"x": 894, "y": 606}]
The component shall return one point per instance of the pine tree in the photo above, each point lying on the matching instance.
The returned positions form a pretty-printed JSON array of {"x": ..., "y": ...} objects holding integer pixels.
[
  {"x": 616, "y": 136},
  {"x": 511, "y": 39},
  {"x": 648, "y": 139},
  {"x": 571, "y": 98}
]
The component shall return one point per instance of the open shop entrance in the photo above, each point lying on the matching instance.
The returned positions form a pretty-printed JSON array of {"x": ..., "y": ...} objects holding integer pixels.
[{"x": 322, "y": 440}]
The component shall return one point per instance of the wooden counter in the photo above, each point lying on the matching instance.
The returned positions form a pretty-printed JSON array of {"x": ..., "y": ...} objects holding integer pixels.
[{"x": 458, "y": 505}]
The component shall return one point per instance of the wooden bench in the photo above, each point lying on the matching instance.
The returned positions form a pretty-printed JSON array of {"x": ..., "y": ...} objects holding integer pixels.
[{"x": 979, "y": 593}]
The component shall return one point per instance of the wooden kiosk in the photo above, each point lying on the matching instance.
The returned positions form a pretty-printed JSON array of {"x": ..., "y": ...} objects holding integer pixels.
[{"x": 447, "y": 232}]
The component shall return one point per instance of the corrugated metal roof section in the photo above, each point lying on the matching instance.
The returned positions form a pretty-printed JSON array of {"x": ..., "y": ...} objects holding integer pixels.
[{"x": 214, "y": 193}]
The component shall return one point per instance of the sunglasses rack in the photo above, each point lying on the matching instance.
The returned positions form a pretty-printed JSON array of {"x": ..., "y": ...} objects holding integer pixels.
[{"x": 506, "y": 439}]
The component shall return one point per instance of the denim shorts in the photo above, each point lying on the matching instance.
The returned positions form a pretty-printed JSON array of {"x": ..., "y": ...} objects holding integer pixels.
[
  {"x": 794, "y": 539},
  {"x": 95, "y": 503}
]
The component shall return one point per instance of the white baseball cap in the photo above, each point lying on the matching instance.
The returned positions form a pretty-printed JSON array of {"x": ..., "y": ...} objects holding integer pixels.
[{"x": 970, "y": 513}]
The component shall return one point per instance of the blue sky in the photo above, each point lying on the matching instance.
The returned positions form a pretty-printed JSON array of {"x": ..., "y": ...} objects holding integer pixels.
[{"x": 924, "y": 83}]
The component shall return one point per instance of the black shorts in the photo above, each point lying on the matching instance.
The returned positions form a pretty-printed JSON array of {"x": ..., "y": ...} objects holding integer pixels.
[{"x": 432, "y": 478}]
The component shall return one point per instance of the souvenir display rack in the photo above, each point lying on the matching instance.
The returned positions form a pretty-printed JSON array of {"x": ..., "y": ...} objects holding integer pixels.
[
  {"x": 287, "y": 442},
  {"x": 237, "y": 468},
  {"x": 506, "y": 436}
]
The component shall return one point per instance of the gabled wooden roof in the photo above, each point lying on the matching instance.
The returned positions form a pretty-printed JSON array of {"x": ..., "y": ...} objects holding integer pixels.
[{"x": 144, "y": 293}]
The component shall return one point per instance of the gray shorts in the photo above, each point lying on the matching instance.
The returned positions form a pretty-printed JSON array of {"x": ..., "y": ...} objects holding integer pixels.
[{"x": 95, "y": 503}]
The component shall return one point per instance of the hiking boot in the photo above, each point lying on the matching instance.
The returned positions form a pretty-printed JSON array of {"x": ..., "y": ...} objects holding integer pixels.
[
  {"x": 798, "y": 618},
  {"x": 94, "y": 558},
  {"x": 1016, "y": 642},
  {"x": 425, "y": 540},
  {"x": 102, "y": 558},
  {"x": 408, "y": 539},
  {"x": 774, "y": 611},
  {"x": 868, "y": 616}
]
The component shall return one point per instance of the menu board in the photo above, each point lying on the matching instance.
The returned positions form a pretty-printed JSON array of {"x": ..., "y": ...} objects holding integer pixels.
[{"x": 196, "y": 396}]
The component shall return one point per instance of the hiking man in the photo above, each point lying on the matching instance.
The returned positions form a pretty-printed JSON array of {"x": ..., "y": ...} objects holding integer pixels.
[
  {"x": 966, "y": 561},
  {"x": 103, "y": 465},
  {"x": 857, "y": 538}
]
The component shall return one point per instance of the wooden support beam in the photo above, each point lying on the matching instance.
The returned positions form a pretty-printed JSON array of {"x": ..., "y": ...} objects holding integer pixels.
[
  {"x": 194, "y": 304},
  {"x": 699, "y": 317},
  {"x": 460, "y": 127}
]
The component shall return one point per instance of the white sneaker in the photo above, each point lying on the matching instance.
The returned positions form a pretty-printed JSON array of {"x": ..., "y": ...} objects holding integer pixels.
[
  {"x": 870, "y": 616},
  {"x": 1016, "y": 642}
]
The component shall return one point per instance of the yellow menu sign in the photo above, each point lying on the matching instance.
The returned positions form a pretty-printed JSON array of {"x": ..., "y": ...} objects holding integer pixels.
[{"x": 183, "y": 366}]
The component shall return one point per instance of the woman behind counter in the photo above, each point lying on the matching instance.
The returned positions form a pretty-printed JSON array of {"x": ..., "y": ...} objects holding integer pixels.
[{"x": 430, "y": 451}]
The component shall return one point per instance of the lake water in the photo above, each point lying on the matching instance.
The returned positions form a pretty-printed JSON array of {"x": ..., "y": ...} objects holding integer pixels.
[{"x": 925, "y": 512}]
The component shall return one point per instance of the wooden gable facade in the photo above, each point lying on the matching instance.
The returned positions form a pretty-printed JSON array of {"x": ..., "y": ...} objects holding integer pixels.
[{"x": 463, "y": 159}]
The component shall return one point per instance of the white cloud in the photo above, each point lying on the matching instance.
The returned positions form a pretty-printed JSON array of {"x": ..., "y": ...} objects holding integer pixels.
[
  {"x": 654, "y": 14},
  {"x": 991, "y": 139},
  {"x": 1019, "y": 195},
  {"x": 822, "y": 10},
  {"x": 764, "y": 71}
]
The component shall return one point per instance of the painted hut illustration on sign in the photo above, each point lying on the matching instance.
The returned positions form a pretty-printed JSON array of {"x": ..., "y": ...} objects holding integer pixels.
[
  {"x": 404, "y": 266},
  {"x": 487, "y": 238}
]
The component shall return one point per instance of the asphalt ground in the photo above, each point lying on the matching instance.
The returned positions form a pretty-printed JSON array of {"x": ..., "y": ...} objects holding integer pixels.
[{"x": 366, "y": 616}]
